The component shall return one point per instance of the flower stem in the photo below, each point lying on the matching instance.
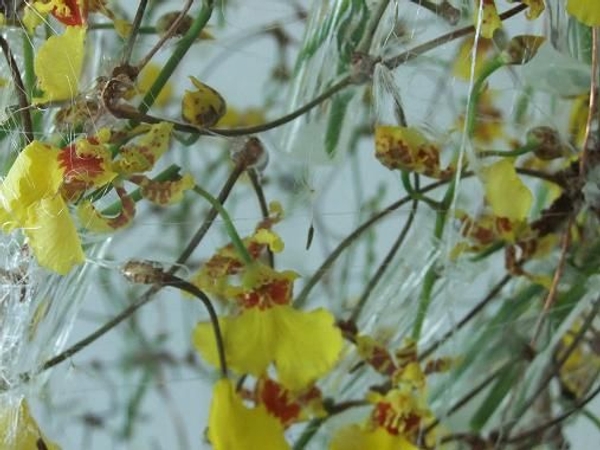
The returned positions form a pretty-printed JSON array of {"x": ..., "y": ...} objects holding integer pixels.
[
  {"x": 177, "y": 56},
  {"x": 309, "y": 431},
  {"x": 476, "y": 91},
  {"x": 431, "y": 276},
  {"x": 27, "y": 134},
  {"x": 236, "y": 241},
  {"x": 178, "y": 283}
]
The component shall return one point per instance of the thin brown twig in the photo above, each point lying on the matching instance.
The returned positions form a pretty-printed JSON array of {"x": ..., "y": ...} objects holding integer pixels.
[
  {"x": 556, "y": 420},
  {"x": 504, "y": 430},
  {"x": 444, "y": 10},
  {"x": 472, "y": 313},
  {"x": 553, "y": 291},
  {"x": 351, "y": 238},
  {"x": 469, "y": 396},
  {"x": 374, "y": 280},
  {"x": 168, "y": 34},
  {"x": 21, "y": 91},
  {"x": 262, "y": 203},
  {"x": 135, "y": 27},
  {"x": 404, "y": 57}
]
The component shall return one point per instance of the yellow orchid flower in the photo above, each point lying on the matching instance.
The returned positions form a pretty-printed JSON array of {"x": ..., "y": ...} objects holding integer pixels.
[
  {"x": 233, "y": 426},
  {"x": 302, "y": 346},
  {"x": 586, "y": 11},
  {"x": 394, "y": 424},
  {"x": 30, "y": 199},
  {"x": 19, "y": 430}
]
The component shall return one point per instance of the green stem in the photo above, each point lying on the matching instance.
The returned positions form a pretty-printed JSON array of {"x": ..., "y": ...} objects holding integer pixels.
[
  {"x": 431, "y": 276},
  {"x": 365, "y": 44},
  {"x": 111, "y": 26},
  {"x": 507, "y": 154},
  {"x": 476, "y": 91},
  {"x": 134, "y": 403},
  {"x": 176, "y": 57},
  {"x": 28, "y": 58},
  {"x": 592, "y": 417},
  {"x": 309, "y": 431},
  {"x": 236, "y": 241}
]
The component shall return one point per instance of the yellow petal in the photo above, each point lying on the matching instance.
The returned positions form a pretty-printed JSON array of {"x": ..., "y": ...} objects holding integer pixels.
[
  {"x": 270, "y": 238},
  {"x": 233, "y": 426},
  {"x": 505, "y": 192},
  {"x": 122, "y": 27},
  {"x": 202, "y": 107},
  {"x": 52, "y": 235},
  {"x": 94, "y": 220},
  {"x": 303, "y": 346},
  {"x": 33, "y": 17},
  {"x": 34, "y": 174},
  {"x": 464, "y": 58},
  {"x": 312, "y": 348},
  {"x": 486, "y": 12},
  {"x": 242, "y": 118},
  {"x": 146, "y": 80},
  {"x": 19, "y": 430},
  {"x": 586, "y": 11},
  {"x": 354, "y": 437},
  {"x": 536, "y": 7},
  {"x": 141, "y": 156},
  {"x": 58, "y": 65},
  {"x": 578, "y": 118}
]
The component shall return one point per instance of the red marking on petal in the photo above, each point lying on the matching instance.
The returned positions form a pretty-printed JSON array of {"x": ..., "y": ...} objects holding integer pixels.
[
  {"x": 278, "y": 402},
  {"x": 77, "y": 14},
  {"x": 269, "y": 294},
  {"x": 79, "y": 170}
]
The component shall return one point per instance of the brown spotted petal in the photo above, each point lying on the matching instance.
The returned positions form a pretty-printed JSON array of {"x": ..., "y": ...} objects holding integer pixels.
[
  {"x": 406, "y": 148},
  {"x": 163, "y": 192},
  {"x": 202, "y": 107}
]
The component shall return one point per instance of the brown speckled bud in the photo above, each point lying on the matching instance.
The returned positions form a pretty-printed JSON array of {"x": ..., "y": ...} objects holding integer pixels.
[
  {"x": 165, "y": 21},
  {"x": 547, "y": 143},
  {"x": 251, "y": 154},
  {"x": 521, "y": 49}
]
